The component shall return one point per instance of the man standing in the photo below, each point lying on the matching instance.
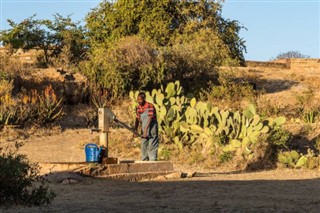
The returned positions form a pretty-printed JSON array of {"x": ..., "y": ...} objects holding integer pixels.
[{"x": 146, "y": 115}]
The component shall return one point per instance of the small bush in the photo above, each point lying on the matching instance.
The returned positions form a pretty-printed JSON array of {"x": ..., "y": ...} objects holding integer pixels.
[
  {"x": 49, "y": 106},
  {"x": 29, "y": 106},
  {"x": 12, "y": 65},
  {"x": 164, "y": 153},
  {"x": 279, "y": 137},
  {"x": 17, "y": 177},
  {"x": 225, "y": 157},
  {"x": 310, "y": 116},
  {"x": 129, "y": 64},
  {"x": 308, "y": 108},
  {"x": 230, "y": 93}
]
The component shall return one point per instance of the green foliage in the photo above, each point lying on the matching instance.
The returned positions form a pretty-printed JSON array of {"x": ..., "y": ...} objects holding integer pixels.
[
  {"x": 279, "y": 137},
  {"x": 230, "y": 93},
  {"x": 307, "y": 106},
  {"x": 295, "y": 160},
  {"x": 196, "y": 54},
  {"x": 225, "y": 157},
  {"x": 17, "y": 176},
  {"x": 292, "y": 159},
  {"x": 49, "y": 106},
  {"x": 53, "y": 37},
  {"x": 310, "y": 116},
  {"x": 29, "y": 107},
  {"x": 186, "y": 41},
  {"x": 162, "y": 22},
  {"x": 164, "y": 153},
  {"x": 130, "y": 64},
  {"x": 187, "y": 122}
]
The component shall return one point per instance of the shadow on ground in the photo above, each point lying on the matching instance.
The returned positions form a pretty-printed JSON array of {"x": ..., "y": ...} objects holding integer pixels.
[
  {"x": 188, "y": 195},
  {"x": 275, "y": 85}
]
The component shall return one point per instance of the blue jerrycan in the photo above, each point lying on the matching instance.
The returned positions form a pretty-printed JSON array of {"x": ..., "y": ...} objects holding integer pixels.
[{"x": 93, "y": 153}]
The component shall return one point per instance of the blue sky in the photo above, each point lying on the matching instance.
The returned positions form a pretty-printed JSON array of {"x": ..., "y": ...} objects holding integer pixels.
[{"x": 273, "y": 26}]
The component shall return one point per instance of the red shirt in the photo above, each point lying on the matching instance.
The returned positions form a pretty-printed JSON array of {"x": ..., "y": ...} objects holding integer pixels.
[{"x": 142, "y": 109}]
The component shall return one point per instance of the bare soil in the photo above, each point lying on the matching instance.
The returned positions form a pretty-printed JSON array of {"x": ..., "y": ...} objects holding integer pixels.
[{"x": 266, "y": 191}]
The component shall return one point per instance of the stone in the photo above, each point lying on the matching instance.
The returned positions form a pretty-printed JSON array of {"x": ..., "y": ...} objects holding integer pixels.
[
  {"x": 174, "y": 175},
  {"x": 63, "y": 177}
]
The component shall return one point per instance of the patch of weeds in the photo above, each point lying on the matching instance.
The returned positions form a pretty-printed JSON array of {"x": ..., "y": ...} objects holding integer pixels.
[
  {"x": 195, "y": 158},
  {"x": 225, "y": 157},
  {"x": 266, "y": 108},
  {"x": 307, "y": 109},
  {"x": 279, "y": 137},
  {"x": 310, "y": 116},
  {"x": 232, "y": 91},
  {"x": 165, "y": 154}
]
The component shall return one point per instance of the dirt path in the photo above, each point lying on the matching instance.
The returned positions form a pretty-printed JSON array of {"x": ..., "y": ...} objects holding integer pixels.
[{"x": 268, "y": 191}]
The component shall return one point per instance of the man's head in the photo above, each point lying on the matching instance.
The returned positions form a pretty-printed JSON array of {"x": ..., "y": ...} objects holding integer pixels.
[{"x": 141, "y": 98}]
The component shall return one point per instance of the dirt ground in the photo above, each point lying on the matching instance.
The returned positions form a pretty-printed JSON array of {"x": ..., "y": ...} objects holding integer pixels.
[{"x": 266, "y": 191}]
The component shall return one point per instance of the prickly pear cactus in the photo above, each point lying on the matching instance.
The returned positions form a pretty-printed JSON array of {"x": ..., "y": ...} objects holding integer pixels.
[{"x": 185, "y": 121}]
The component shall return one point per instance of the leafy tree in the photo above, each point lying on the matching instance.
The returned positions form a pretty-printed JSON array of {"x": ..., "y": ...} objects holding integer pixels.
[
  {"x": 130, "y": 63},
  {"x": 291, "y": 54},
  {"x": 50, "y": 36},
  {"x": 161, "y": 22},
  {"x": 28, "y": 34},
  {"x": 68, "y": 37},
  {"x": 189, "y": 38}
]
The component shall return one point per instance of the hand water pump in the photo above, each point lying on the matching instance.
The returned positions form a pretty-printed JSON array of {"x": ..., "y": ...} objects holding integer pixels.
[{"x": 105, "y": 118}]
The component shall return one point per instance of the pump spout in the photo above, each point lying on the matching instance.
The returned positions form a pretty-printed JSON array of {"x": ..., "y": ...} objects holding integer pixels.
[{"x": 94, "y": 130}]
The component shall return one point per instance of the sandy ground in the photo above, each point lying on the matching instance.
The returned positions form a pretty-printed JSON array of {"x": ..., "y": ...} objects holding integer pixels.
[{"x": 267, "y": 191}]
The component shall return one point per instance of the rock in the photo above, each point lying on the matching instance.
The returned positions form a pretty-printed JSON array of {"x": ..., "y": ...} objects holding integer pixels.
[
  {"x": 63, "y": 177},
  {"x": 174, "y": 175},
  {"x": 69, "y": 181},
  {"x": 65, "y": 182}
]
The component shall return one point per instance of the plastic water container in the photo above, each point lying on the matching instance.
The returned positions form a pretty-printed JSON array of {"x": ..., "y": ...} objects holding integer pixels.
[{"x": 93, "y": 153}]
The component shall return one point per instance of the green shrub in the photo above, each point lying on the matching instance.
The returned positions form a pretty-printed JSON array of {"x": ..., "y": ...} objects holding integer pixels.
[
  {"x": 230, "y": 93},
  {"x": 295, "y": 160},
  {"x": 279, "y": 137},
  {"x": 164, "y": 153},
  {"x": 49, "y": 106},
  {"x": 310, "y": 116},
  {"x": 17, "y": 177},
  {"x": 29, "y": 106},
  {"x": 225, "y": 157},
  {"x": 308, "y": 108},
  {"x": 129, "y": 64}
]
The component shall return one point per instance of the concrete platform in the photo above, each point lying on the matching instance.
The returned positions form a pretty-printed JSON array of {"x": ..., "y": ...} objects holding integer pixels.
[{"x": 124, "y": 170}]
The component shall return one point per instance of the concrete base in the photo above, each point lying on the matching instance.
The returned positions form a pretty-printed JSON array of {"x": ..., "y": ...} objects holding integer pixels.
[{"x": 125, "y": 170}]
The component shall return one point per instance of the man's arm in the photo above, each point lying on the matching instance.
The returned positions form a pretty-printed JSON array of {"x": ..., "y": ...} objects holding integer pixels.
[{"x": 136, "y": 124}]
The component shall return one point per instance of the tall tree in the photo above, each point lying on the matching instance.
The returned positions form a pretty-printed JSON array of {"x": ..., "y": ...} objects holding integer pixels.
[
  {"x": 49, "y": 36},
  {"x": 162, "y": 22}
]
